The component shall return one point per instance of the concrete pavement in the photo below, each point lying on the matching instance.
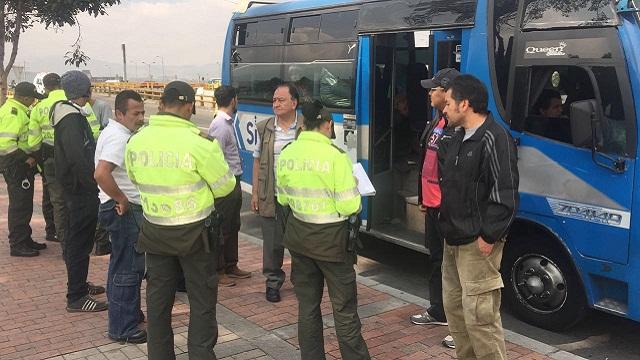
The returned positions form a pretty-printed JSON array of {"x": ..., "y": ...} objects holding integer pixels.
[{"x": 35, "y": 325}]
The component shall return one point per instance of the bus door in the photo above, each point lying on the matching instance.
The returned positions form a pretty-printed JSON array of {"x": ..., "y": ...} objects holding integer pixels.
[
  {"x": 570, "y": 102},
  {"x": 399, "y": 111}
]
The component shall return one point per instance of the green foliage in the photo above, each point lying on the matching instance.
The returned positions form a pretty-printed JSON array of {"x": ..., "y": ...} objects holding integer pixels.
[{"x": 20, "y": 15}]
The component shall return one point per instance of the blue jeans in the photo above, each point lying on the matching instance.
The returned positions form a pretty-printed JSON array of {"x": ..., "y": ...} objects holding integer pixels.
[{"x": 126, "y": 268}]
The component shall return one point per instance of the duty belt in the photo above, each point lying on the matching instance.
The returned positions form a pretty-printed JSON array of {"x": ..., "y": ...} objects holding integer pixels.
[{"x": 47, "y": 151}]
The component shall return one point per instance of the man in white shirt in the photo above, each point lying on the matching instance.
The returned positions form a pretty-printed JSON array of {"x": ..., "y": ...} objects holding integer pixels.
[
  {"x": 229, "y": 206},
  {"x": 121, "y": 214}
]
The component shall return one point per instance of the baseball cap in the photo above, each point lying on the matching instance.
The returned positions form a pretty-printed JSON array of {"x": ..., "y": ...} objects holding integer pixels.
[
  {"x": 179, "y": 90},
  {"x": 443, "y": 79},
  {"x": 27, "y": 89}
]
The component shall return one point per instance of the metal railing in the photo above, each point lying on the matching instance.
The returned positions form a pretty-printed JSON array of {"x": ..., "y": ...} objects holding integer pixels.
[{"x": 153, "y": 91}]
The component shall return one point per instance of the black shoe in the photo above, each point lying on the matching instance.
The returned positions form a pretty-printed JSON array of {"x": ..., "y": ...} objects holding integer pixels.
[
  {"x": 273, "y": 295},
  {"x": 103, "y": 250},
  {"x": 24, "y": 251},
  {"x": 37, "y": 246},
  {"x": 95, "y": 289},
  {"x": 139, "y": 337},
  {"x": 52, "y": 238},
  {"x": 87, "y": 304}
]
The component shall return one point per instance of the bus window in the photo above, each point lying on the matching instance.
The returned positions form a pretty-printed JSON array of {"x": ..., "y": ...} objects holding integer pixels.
[
  {"x": 504, "y": 29},
  {"x": 256, "y": 81},
  {"x": 545, "y": 14},
  {"x": 304, "y": 29},
  {"x": 552, "y": 90},
  {"x": 331, "y": 83},
  {"x": 271, "y": 32},
  {"x": 550, "y": 93},
  {"x": 613, "y": 116},
  {"x": 246, "y": 34},
  {"x": 338, "y": 26}
]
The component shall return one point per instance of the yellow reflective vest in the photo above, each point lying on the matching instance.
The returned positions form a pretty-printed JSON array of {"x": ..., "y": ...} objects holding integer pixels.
[
  {"x": 14, "y": 127},
  {"x": 177, "y": 172},
  {"x": 315, "y": 180},
  {"x": 94, "y": 123},
  {"x": 40, "y": 129}
]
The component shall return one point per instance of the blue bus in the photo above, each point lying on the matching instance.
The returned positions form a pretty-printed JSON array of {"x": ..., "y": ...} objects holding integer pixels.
[{"x": 573, "y": 246}]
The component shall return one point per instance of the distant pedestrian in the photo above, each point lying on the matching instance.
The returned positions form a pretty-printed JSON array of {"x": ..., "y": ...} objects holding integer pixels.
[
  {"x": 479, "y": 184},
  {"x": 18, "y": 167},
  {"x": 179, "y": 174},
  {"x": 430, "y": 196},
  {"x": 222, "y": 129},
  {"x": 74, "y": 148},
  {"x": 273, "y": 134},
  {"x": 121, "y": 215}
]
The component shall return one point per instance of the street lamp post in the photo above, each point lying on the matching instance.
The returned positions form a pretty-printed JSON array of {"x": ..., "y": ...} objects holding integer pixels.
[
  {"x": 149, "y": 65},
  {"x": 162, "y": 62}
]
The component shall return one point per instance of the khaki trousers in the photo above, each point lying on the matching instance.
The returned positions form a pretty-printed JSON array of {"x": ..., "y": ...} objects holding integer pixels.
[{"x": 471, "y": 284}]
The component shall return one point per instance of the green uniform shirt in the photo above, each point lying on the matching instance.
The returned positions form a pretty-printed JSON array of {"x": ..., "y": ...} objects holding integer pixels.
[
  {"x": 178, "y": 174},
  {"x": 40, "y": 129},
  {"x": 315, "y": 180},
  {"x": 14, "y": 128},
  {"x": 94, "y": 123}
]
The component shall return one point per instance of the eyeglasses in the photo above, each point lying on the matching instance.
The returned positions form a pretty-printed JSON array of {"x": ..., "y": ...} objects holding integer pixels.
[{"x": 436, "y": 89}]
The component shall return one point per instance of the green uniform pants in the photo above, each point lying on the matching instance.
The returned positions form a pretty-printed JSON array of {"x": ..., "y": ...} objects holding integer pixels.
[
  {"x": 202, "y": 287},
  {"x": 309, "y": 277},
  {"x": 471, "y": 284},
  {"x": 54, "y": 187}
]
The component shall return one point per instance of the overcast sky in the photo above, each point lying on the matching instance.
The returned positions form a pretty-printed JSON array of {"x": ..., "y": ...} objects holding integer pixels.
[{"x": 187, "y": 34}]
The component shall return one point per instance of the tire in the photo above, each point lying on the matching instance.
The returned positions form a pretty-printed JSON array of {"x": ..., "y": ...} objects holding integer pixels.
[{"x": 541, "y": 285}]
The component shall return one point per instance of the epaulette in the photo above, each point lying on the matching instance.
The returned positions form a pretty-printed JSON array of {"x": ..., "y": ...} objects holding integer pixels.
[
  {"x": 338, "y": 148},
  {"x": 14, "y": 111},
  {"x": 285, "y": 146}
]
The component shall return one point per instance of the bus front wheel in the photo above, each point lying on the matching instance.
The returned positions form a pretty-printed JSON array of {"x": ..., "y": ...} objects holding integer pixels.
[{"x": 541, "y": 285}]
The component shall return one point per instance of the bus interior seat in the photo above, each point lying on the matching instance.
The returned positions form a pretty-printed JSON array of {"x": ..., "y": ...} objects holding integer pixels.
[{"x": 558, "y": 129}]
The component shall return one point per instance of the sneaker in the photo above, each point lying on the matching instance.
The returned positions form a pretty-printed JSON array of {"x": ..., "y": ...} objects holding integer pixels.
[
  {"x": 95, "y": 289},
  {"x": 426, "y": 319},
  {"x": 448, "y": 342},
  {"x": 224, "y": 280},
  {"x": 87, "y": 304},
  {"x": 235, "y": 273}
]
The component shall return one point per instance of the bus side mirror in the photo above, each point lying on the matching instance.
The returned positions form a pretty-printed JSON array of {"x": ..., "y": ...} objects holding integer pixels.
[
  {"x": 584, "y": 120},
  {"x": 586, "y": 131}
]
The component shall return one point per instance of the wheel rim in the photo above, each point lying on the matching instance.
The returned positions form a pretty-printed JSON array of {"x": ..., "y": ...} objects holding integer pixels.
[{"x": 539, "y": 283}]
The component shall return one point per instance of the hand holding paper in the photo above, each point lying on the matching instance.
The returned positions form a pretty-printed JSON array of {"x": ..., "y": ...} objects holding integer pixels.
[{"x": 365, "y": 187}]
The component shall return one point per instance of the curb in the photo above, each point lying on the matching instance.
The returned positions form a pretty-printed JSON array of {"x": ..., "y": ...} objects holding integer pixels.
[{"x": 518, "y": 339}]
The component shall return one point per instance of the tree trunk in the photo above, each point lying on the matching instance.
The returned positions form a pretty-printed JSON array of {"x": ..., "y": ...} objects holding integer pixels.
[
  {"x": 3, "y": 78},
  {"x": 15, "y": 38}
]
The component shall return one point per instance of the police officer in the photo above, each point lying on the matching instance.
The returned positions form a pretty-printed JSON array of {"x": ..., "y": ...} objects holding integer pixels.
[
  {"x": 18, "y": 168},
  {"x": 315, "y": 180},
  {"x": 41, "y": 138},
  {"x": 178, "y": 174}
]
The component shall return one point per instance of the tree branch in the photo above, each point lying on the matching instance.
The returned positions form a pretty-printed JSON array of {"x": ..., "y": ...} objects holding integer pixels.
[{"x": 15, "y": 37}]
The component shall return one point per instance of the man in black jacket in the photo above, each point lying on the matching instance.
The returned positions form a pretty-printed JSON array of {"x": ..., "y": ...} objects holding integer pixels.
[
  {"x": 74, "y": 149},
  {"x": 479, "y": 184}
]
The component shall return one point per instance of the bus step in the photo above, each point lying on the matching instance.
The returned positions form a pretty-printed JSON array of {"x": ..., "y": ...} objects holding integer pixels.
[{"x": 613, "y": 306}]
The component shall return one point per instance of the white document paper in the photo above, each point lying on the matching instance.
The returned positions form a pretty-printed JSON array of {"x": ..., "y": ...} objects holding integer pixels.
[{"x": 365, "y": 187}]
